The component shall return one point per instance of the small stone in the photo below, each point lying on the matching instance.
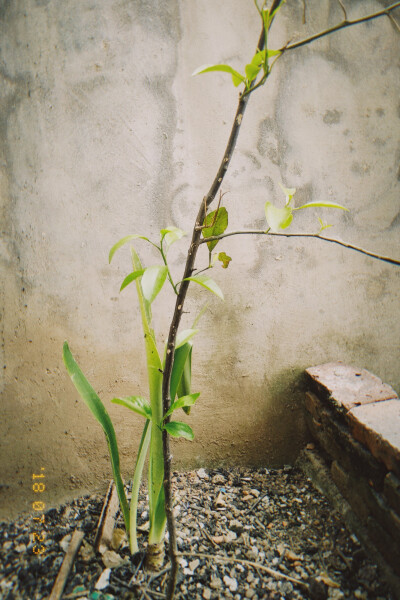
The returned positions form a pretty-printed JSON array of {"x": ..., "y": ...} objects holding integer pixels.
[
  {"x": 250, "y": 593},
  {"x": 194, "y": 564},
  {"x": 64, "y": 543},
  {"x": 207, "y": 593},
  {"x": 7, "y": 546},
  {"x": 229, "y": 537},
  {"x": 20, "y": 548},
  {"x": 236, "y": 525},
  {"x": 103, "y": 580},
  {"x": 218, "y": 479},
  {"x": 118, "y": 538},
  {"x": 112, "y": 560},
  {"x": 231, "y": 583},
  {"x": 215, "y": 583},
  {"x": 202, "y": 474},
  {"x": 86, "y": 551}
]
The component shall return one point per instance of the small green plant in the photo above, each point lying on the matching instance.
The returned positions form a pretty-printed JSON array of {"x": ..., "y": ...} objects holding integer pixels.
[{"x": 169, "y": 373}]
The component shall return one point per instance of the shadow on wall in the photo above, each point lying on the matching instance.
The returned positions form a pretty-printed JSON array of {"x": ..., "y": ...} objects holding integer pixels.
[{"x": 271, "y": 437}]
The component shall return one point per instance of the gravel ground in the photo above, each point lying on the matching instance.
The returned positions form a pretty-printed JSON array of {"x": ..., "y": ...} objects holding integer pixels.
[{"x": 249, "y": 533}]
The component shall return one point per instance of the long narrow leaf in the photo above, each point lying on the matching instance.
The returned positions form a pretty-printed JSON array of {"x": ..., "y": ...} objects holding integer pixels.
[
  {"x": 123, "y": 241},
  {"x": 137, "y": 404},
  {"x": 321, "y": 204},
  {"x": 141, "y": 456},
  {"x": 237, "y": 78},
  {"x": 96, "y": 406},
  {"x": 154, "y": 369},
  {"x": 185, "y": 383},
  {"x": 180, "y": 357}
]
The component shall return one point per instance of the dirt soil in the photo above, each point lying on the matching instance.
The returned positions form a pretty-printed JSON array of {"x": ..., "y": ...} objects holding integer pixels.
[{"x": 248, "y": 533}]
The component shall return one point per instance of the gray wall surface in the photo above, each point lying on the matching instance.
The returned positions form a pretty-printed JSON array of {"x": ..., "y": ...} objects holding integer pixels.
[{"x": 103, "y": 133}]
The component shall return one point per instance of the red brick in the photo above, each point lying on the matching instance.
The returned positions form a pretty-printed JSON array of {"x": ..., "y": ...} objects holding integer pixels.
[
  {"x": 347, "y": 387},
  {"x": 377, "y": 426}
]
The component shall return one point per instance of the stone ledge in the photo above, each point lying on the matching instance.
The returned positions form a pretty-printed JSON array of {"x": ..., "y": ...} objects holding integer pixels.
[
  {"x": 346, "y": 387},
  {"x": 355, "y": 419}
]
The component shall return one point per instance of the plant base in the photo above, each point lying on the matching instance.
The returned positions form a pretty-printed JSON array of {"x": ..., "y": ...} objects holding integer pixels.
[{"x": 155, "y": 557}]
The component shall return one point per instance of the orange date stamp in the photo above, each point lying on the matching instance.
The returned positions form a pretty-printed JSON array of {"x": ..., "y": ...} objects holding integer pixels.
[{"x": 38, "y": 487}]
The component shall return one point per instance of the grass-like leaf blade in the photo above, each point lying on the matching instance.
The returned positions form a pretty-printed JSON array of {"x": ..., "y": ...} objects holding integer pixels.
[{"x": 96, "y": 406}]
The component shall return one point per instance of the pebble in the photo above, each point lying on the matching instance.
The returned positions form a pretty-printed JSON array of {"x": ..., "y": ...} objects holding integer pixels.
[
  {"x": 231, "y": 583},
  {"x": 202, "y": 474}
]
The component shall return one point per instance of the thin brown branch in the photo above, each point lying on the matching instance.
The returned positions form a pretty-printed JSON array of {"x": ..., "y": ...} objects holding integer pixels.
[
  {"x": 346, "y": 23},
  {"x": 189, "y": 267},
  {"x": 388, "y": 259},
  {"x": 395, "y": 23},
  {"x": 250, "y": 563}
]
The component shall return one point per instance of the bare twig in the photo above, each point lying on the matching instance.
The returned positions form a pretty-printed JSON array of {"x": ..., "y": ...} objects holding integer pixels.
[
  {"x": 395, "y": 23},
  {"x": 343, "y": 9},
  {"x": 105, "y": 527},
  {"x": 250, "y": 563},
  {"x": 386, "y": 11},
  {"x": 393, "y": 261},
  {"x": 66, "y": 566}
]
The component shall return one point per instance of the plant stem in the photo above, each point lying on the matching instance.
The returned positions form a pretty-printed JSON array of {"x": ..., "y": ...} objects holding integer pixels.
[
  {"x": 189, "y": 268},
  {"x": 393, "y": 261},
  {"x": 345, "y": 23}
]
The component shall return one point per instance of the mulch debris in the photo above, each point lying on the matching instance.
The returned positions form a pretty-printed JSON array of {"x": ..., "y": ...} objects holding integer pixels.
[{"x": 261, "y": 534}]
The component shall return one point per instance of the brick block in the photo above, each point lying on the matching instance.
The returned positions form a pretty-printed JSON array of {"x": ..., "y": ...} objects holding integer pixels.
[
  {"x": 337, "y": 442},
  {"x": 346, "y": 387},
  {"x": 389, "y": 548},
  {"x": 377, "y": 426}
]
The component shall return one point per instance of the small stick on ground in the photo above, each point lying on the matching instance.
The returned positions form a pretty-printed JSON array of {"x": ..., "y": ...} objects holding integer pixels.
[
  {"x": 251, "y": 563},
  {"x": 66, "y": 566},
  {"x": 105, "y": 527}
]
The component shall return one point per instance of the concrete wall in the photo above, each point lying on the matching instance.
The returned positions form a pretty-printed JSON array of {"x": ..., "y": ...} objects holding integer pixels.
[{"x": 104, "y": 133}]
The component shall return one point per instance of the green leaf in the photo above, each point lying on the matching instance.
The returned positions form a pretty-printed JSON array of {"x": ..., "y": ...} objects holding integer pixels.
[
  {"x": 171, "y": 235},
  {"x": 181, "y": 356},
  {"x": 182, "y": 402},
  {"x": 278, "y": 218},
  {"x": 289, "y": 193},
  {"x": 251, "y": 71},
  {"x": 138, "y": 404},
  {"x": 207, "y": 283},
  {"x": 322, "y": 205},
  {"x": 323, "y": 225},
  {"x": 221, "y": 223},
  {"x": 184, "y": 336},
  {"x": 237, "y": 78},
  {"x": 131, "y": 277},
  {"x": 137, "y": 477},
  {"x": 225, "y": 259},
  {"x": 123, "y": 241},
  {"x": 258, "y": 58},
  {"x": 96, "y": 406},
  {"x": 184, "y": 387},
  {"x": 271, "y": 53},
  {"x": 178, "y": 429},
  {"x": 152, "y": 281}
]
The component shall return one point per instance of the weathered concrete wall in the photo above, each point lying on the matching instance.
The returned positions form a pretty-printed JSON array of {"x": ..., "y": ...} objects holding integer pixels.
[{"x": 104, "y": 133}]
